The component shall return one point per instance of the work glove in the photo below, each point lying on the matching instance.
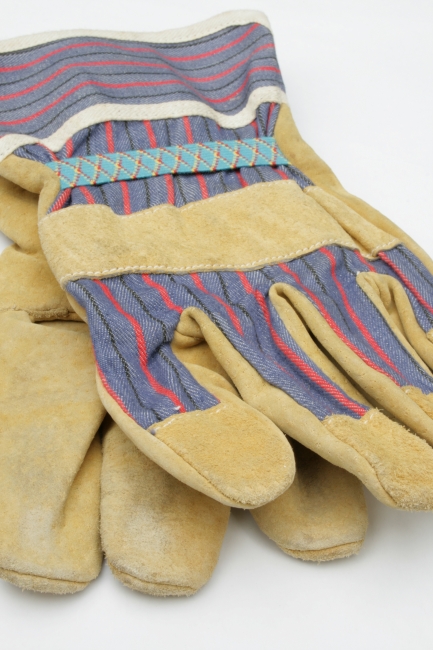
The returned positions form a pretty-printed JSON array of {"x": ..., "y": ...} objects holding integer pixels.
[
  {"x": 172, "y": 217},
  {"x": 401, "y": 287},
  {"x": 50, "y": 456},
  {"x": 158, "y": 535}
]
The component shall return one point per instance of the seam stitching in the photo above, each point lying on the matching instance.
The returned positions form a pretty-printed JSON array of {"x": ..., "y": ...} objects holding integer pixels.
[{"x": 155, "y": 430}]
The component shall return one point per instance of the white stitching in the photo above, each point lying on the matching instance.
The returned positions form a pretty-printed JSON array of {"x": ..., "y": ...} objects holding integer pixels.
[
  {"x": 155, "y": 430},
  {"x": 184, "y": 269},
  {"x": 382, "y": 246}
]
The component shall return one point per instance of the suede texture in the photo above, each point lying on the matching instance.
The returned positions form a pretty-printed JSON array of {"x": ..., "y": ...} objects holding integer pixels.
[
  {"x": 275, "y": 222},
  {"x": 160, "y": 536},
  {"x": 325, "y": 437},
  {"x": 50, "y": 412},
  {"x": 391, "y": 300},
  {"x": 50, "y": 459},
  {"x": 322, "y": 516},
  {"x": 302, "y": 156},
  {"x": 201, "y": 450}
]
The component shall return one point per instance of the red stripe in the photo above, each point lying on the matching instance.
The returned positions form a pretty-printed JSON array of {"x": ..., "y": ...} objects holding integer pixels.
[
  {"x": 136, "y": 85},
  {"x": 126, "y": 198},
  {"x": 242, "y": 180},
  {"x": 281, "y": 173},
  {"x": 203, "y": 186},
  {"x": 142, "y": 351},
  {"x": 150, "y": 134},
  {"x": 89, "y": 198},
  {"x": 235, "y": 320},
  {"x": 110, "y": 391},
  {"x": 69, "y": 148},
  {"x": 130, "y": 49},
  {"x": 109, "y": 136},
  {"x": 61, "y": 200},
  {"x": 239, "y": 89},
  {"x": 188, "y": 130},
  {"x": 406, "y": 281},
  {"x": 327, "y": 316},
  {"x": 296, "y": 359},
  {"x": 190, "y": 139},
  {"x": 170, "y": 188},
  {"x": 376, "y": 347},
  {"x": 164, "y": 294},
  {"x": 49, "y": 151},
  {"x": 364, "y": 261}
]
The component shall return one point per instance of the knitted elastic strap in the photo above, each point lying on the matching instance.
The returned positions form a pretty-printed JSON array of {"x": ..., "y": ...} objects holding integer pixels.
[{"x": 181, "y": 159}]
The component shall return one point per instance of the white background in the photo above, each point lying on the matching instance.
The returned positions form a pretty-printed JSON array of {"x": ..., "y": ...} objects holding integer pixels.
[{"x": 358, "y": 75}]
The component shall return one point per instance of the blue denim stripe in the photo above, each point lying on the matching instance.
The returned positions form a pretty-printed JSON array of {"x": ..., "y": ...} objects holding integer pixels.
[
  {"x": 315, "y": 273},
  {"x": 418, "y": 276},
  {"x": 237, "y": 309},
  {"x": 252, "y": 59},
  {"x": 153, "y": 191},
  {"x": 142, "y": 401}
]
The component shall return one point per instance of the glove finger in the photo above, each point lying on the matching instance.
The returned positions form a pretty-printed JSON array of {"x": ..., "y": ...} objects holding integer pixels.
[
  {"x": 390, "y": 298},
  {"x": 50, "y": 459},
  {"x": 159, "y": 536},
  {"x": 322, "y": 516},
  {"x": 196, "y": 430},
  {"x": 393, "y": 463},
  {"x": 411, "y": 287},
  {"x": 397, "y": 467},
  {"x": 362, "y": 342}
]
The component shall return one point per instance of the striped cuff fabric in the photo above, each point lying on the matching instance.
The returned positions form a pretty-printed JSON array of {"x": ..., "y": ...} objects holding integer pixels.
[
  {"x": 75, "y": 81},
  {"x": 128, "y": 196},
  {"x": 82, "y": 96}
]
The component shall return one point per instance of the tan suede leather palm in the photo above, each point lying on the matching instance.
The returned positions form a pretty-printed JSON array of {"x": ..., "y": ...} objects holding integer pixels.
[
  {"x": 304, "y": 221},
  {"x": 159, "y": 536}
]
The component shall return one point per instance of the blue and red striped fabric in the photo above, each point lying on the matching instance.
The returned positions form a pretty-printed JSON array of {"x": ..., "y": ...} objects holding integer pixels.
[
  {"x": 125, "y": 197},
  {"x": 416, "y": 279},
  {"x": 45, "y": 85},
  {"x": 133, "y": 318}
]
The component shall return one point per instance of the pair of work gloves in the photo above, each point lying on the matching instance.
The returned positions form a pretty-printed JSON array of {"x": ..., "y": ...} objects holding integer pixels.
[{"x": 260, "y": 338}]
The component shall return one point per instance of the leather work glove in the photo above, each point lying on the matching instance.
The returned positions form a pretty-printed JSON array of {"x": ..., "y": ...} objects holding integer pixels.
[
  {"x": 159, "y": 536},
  {"x": 50, "y": 455},
  {"x": 402, "y": 287},
  {"x": 172, "y": 218}
]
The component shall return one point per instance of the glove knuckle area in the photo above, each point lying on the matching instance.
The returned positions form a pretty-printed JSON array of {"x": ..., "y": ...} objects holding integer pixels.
[{"x": 275, "y": 221}]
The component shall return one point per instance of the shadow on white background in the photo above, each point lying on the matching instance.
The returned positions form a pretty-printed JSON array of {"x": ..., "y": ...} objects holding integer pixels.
[{"x": 257, "y": 598}]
